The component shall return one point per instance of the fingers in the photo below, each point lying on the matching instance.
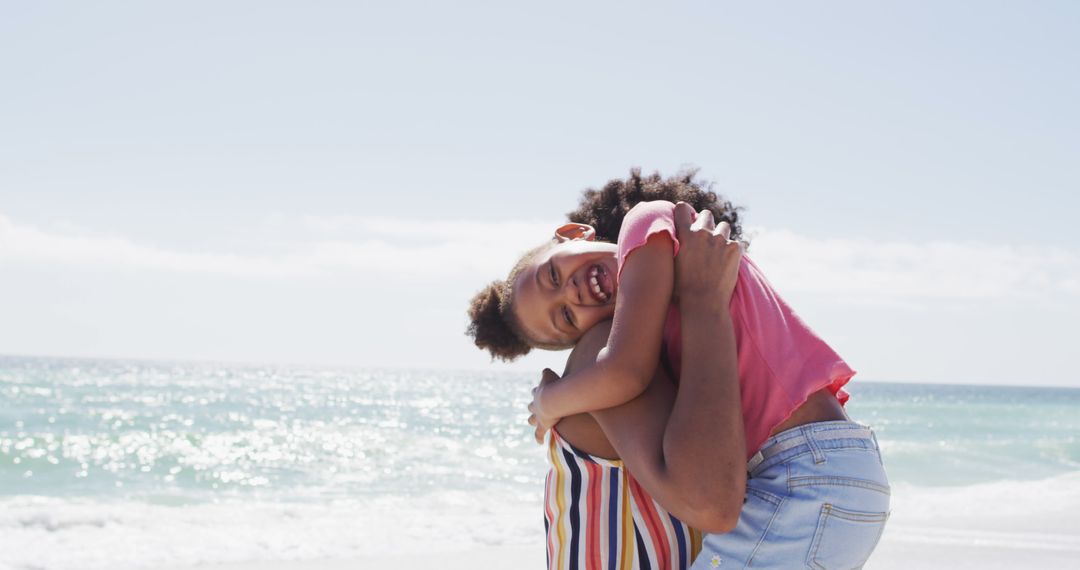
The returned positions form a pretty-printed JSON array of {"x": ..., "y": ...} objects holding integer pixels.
[
  {"x": 704, "y": 221},
  {"x": 535, "y": 422},
  {"x": 538, "y": 432},
  {"x": 548, "y": 375},
  {"x": 723, "y": 229},
  {"x": 684, "y": 216}
]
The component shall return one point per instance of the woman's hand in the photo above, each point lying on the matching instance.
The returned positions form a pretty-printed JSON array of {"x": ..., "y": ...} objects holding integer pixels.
[
  {"x": 707, "y": 265},
  {"x": 537, "y": 417}
]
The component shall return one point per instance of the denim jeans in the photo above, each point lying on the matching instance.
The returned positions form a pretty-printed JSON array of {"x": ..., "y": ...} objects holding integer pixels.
[{"x": 816, "y": 497}]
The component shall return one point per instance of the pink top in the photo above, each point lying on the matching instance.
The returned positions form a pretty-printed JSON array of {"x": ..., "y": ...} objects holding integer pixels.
[{"x": 781, "y": 360}]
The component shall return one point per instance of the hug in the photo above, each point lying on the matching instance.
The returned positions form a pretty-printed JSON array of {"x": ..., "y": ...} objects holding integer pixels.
[{"x": 699, "y": 422}]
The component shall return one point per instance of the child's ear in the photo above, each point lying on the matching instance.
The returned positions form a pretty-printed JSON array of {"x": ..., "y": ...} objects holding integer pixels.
[{"x": 572, "y": 231}]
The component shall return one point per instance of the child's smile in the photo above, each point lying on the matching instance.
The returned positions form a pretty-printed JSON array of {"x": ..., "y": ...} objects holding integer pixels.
[
  {"x": 601, "y": 285},
  {"x": 565, "y": 290}
]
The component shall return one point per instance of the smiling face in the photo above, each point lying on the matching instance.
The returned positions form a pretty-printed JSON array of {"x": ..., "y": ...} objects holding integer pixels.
[{"x": 565, "y": 290}]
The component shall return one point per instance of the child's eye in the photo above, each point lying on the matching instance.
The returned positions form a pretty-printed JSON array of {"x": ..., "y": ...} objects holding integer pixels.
[
  {"x": 566, "y": 315},
  {"x": 554, "y": 277}
]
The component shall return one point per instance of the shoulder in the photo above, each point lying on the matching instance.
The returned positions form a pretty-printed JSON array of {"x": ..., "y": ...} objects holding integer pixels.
[
  {"x": 651, "y": 210},
  {"x": 643, "y": 221},
  {"x": 589, "y": 346},
  {"x": 646, "y": 218}
]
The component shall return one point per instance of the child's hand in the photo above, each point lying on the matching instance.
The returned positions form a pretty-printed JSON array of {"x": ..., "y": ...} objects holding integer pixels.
[
  {"x": 707, "y": 265},
  {"x": 537, "y": 416}
]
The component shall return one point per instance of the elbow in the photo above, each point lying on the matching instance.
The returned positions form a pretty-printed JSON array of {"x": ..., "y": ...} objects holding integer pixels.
[
  {"x": 717, "y": 517},
  {"x": 640, "y": 379},
  {"x": 716, "y": 509},
  {"x": 717, "y": 522},
  {"x": 631, "y": 375},
  {"x": 639, "y": 374}
]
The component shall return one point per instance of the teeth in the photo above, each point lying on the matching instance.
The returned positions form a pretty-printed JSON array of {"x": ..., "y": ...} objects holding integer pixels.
[{"x": 594, "y": 281}]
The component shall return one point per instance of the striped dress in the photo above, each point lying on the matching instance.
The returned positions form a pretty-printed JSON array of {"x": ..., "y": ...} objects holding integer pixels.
[{"x": 597, "y": 517}]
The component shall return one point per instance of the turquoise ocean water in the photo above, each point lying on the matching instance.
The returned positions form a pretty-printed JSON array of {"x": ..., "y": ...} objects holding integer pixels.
[{"x": 103, "y": 461}]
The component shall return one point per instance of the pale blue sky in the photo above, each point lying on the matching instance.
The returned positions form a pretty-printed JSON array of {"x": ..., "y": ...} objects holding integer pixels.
[{"x": 270, "y": 181}]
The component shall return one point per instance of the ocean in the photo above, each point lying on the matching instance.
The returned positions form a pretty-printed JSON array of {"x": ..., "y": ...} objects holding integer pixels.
[{"x": 132, "y": 464}]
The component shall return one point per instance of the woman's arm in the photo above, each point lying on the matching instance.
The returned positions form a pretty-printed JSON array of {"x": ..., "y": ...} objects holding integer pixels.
[
  {"x": 622, "y": 370},
  {"x": 692, "y": 461}
]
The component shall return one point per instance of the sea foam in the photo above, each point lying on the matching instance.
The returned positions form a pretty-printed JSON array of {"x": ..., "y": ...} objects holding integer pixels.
[
  {"x": 107, "y": 464},
  {"x": 55, "y": 534}
]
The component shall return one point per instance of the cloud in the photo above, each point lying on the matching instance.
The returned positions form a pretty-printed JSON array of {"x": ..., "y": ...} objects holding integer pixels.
[
  {"x": 28, "y": 244},
  {"x": 372, "y": 245},
  {"x": 406, "y": 248},
  {"x": 915, "y": 270}
]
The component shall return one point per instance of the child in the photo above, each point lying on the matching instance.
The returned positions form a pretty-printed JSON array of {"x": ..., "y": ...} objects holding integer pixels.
[
  {"x": 781, "y": 361},
  {"x": 827, "y": 474}
]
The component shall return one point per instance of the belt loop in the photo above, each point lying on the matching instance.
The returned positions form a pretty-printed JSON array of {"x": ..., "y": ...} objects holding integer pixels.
[
  {"x": 808, "y": 435},
  {"x": 756, "y": 460}
]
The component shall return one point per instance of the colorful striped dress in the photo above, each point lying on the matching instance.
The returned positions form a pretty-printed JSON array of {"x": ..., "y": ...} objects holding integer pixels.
[{"x": 597, "y": 517}]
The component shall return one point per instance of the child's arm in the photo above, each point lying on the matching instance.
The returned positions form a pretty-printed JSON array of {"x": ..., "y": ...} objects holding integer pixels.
[
  {"x": 689, "y": 449},
  {"x": 624, "y": 368}
]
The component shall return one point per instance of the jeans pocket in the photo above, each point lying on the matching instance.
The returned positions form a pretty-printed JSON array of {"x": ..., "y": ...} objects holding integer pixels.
[{"x": 844, "y": 539}]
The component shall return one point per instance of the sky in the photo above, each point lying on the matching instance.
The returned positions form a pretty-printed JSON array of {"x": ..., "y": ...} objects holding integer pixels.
[{"x": 328, "y": 183}]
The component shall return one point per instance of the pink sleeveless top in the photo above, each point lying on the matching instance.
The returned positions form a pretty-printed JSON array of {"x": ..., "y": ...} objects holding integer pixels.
[{"x": 781, "y": 360}]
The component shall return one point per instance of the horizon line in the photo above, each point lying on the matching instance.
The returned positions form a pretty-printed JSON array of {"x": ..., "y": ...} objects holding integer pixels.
[{"x": 339, "y": 366}]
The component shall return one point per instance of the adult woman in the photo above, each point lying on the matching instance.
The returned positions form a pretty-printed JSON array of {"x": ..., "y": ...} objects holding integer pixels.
[{"x": 689, "y": 451}]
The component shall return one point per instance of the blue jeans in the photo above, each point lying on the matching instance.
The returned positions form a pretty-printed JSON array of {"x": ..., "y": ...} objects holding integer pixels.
[{"x": 816, "y": 497}]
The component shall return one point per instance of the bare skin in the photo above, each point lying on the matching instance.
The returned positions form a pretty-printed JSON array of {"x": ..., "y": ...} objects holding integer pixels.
[
  {"x": 632, "y": 431},
  {"x": 686, "y": 448},
  {"x": 583, "y": 431}
]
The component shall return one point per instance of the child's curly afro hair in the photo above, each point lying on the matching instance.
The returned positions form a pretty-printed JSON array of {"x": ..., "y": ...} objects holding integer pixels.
[{"x": 492, "y": 323}]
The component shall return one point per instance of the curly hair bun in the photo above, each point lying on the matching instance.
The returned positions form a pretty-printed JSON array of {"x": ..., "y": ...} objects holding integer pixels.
[
  {"x": 488, "y": 326},
  {"x": 604, "y": 209}
]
